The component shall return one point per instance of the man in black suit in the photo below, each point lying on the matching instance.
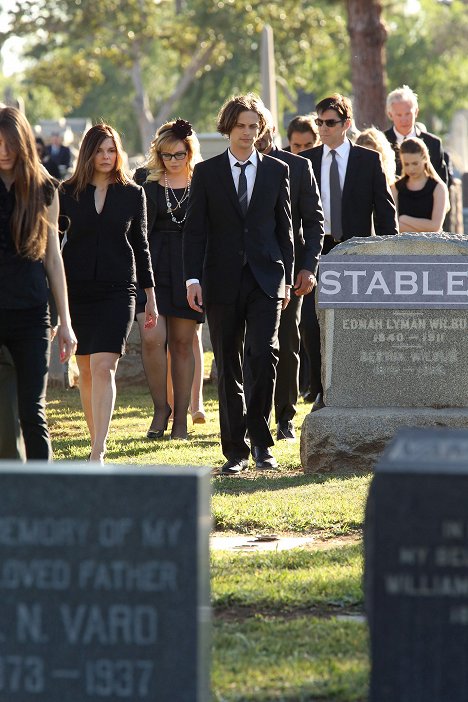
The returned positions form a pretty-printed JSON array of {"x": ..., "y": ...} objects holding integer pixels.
[
  {"x": 58, "y": 153},
  {"x": 307, "y": 219},
  {"x": 238, "y": 260},
  {"x": 302, "y": 134},
  {"x": 355, "y": 195},
  {"x": 402, "y": 109}
]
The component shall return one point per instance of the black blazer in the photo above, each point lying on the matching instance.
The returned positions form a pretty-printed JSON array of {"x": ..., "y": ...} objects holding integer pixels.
[
  {"x": 218, "y": 238},
  {"x": 366, "y": 195},
  {"x": 306, "y": 211},
  {"x": 62, "y": 158},
  {"x": 434, "y": 145}
]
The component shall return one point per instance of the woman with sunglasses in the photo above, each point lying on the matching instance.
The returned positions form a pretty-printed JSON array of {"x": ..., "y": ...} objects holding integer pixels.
[
  {"x": 166, "y": 180},
  {"x": 105, "y": 254}
]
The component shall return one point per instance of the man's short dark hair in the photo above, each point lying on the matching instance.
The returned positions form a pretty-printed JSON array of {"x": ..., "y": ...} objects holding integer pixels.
[
  {"x": 337, "y": 102},
  {"x": 302, "y": 124},
  {"x": 230, "y": 111}
]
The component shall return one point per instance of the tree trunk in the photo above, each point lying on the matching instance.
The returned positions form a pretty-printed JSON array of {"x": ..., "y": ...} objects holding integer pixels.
[
  {"x": 141, "y": 103},
  {"x": 368, "y": 35}
]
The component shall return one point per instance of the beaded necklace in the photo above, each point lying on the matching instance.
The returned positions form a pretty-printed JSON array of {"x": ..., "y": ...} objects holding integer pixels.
[{"x": 170, "y": 209}]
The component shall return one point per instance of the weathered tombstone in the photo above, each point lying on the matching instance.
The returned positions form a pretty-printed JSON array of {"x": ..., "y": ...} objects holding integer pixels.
[
  {"x": 393, "y": 313},
  {"x": 104, "y": 583},
  {"x": 416, "y": 568}
]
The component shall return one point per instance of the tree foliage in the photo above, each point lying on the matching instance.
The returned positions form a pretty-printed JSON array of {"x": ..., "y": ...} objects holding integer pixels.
[{"x": 137, "y": 62}]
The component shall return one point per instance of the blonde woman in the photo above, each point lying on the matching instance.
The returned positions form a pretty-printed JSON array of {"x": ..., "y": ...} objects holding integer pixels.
[
  {"x": 376, "y": 140},
  {"x": 420, "y": 194},
  {"x": 29, "y": 257},
  {"x": 166, "y": 180},
  {"x": 105, "y": 254}
]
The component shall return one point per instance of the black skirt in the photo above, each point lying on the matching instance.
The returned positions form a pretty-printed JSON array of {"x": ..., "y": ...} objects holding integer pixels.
[{"x": 102, "y": 314}]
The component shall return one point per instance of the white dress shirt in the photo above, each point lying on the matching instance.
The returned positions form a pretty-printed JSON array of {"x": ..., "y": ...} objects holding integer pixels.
[
  {"x": 402, "y": 137},
  {"x": 342, "y": 156},
  {"x": 250, "y": 172}
]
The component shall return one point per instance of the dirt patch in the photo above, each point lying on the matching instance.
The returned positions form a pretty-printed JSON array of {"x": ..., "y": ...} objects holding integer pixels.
[
  {"x": 237, "y": 613},
  {"x": 254, "y": 543}
]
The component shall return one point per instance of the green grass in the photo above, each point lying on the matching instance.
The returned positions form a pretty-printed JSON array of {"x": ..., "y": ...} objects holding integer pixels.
[
  {"x": 327, "y": 579},
  {"x": 304, "y": 659},
  {"x": 276, "y": 634}
]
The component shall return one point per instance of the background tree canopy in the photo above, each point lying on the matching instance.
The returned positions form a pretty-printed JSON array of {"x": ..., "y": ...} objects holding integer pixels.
[{"x": 136, "y": 63}]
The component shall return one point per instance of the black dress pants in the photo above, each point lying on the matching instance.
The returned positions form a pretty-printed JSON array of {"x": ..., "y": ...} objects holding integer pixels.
[
  {"x": 26, "y": 335},
  {"x": 287, "y": 372},
  {"x": 258, "y": 315}
]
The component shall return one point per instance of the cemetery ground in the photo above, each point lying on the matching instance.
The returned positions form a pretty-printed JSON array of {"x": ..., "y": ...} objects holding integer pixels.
[{"x": 287, "y": 624}]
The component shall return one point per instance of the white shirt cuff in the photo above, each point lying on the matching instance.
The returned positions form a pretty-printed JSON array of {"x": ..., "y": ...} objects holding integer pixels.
[{"x": 191, "y": 281}]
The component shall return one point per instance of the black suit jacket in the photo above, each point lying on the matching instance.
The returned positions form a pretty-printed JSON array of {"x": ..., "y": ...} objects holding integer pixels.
[
  {"x": 366, "y": 197},
  {"x": 434, "y": 145},
  {"x": 218, "y": 239},
  {"x": 306, "y": 211},
  {"x": 62, "y": 158}
]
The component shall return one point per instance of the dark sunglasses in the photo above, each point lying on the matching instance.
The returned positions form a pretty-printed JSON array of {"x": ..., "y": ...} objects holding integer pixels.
[
  {"x": 179, "y": 156},
  {"x": 329, "y": 122}
]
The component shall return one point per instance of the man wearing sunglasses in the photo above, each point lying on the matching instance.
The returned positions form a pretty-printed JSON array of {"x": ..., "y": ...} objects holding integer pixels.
[{"x": 355, "y": 195}]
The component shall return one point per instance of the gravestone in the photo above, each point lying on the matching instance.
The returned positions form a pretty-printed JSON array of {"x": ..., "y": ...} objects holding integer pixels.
[
  {"x": 416, "y": 568},
  {"x": 393, "y": 314},
  {"x": 104, "y": 583}
]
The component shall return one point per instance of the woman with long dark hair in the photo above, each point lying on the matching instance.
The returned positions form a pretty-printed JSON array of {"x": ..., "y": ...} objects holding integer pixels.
[
  {"x": 106, "y": 254},
  {"x": 29, "y": 259},
  {"x": 166, "y": 179}
]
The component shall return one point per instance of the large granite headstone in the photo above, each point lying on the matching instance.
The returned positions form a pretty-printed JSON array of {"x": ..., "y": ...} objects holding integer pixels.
[
  {"x": 393, "y": 313},
  {"x": 104, "y": 583},
  {"x": 416, "y": 568}
]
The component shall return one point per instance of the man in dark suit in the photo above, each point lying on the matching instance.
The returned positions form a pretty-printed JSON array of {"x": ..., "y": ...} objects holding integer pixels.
[
  {"x": 58, "y": 153},
  {"x": 302, "y": 134},
  {"x": 238, "y": 260},
  {"x": 402, "y": 109},
  {"x": 355, "y": 195},
  {"x": 307, "y": 219}
]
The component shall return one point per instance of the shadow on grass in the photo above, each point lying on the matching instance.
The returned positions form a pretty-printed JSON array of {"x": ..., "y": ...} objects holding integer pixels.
[{"x": 248, "y": 484}]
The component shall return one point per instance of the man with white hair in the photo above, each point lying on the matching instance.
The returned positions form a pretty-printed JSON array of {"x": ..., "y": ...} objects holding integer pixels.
[{"x": 402, "y": 109}]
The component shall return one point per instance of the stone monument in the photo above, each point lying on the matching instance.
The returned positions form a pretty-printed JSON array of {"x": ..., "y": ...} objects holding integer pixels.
[
  {"x": 393, "y": 313},
  {"x": 416, "y": 568},
  {"x": 104, "y": 583}
]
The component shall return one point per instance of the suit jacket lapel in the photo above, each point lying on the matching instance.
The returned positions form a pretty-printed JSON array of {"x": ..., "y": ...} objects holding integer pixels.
[
  {"x": 259, "y": 180},
  {"x": 351, "y": 169},
  {"x": 316, "y": 158}
]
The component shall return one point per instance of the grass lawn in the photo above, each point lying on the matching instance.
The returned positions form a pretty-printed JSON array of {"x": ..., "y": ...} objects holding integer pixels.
[{"x": 286, "y": 624}]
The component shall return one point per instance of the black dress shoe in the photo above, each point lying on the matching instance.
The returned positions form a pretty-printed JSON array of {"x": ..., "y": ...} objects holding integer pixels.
[
  {"x": 234, "y": 466},
  {"x": 285, "y": 431},
  {"x": 318, "y": 403},
  {"x": 264, "y": 459}
]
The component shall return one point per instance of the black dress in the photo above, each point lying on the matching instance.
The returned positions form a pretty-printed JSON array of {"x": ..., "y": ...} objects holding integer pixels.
[
  {"x": 104, "y": 254},
  {"x": 416, "y": 203},
  {"x": 165, "y": 241}
]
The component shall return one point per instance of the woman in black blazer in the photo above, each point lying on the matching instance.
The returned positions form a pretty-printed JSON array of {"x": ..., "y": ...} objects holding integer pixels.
[
  {"x": 105, "y": 253},
  {"x": 166, "y": 180}
]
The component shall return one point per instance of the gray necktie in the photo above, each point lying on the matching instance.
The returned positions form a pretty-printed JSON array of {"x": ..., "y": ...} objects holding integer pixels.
[
  {"x": 335, "y": 198},
  {"x": 242, "y": 187}
]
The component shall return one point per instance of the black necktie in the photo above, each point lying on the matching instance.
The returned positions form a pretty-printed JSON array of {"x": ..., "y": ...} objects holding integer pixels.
[
  {"x": 335, "y": 198},
  {"x": 242, "y": 187}
]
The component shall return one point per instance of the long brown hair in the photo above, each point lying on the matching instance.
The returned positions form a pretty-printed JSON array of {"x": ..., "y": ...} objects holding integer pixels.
[
  {"x": 29, "y": 223},
  {"x": 84, "y": 170}
]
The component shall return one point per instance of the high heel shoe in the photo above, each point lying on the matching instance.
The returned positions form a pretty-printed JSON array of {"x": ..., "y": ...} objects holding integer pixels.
[
  {"x": 198, "y": 417},
  {"x": 159, "y": 433}
]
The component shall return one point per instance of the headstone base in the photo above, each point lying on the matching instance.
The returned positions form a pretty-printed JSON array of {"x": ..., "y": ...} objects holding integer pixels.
[{"x": 352, "y": 439}]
